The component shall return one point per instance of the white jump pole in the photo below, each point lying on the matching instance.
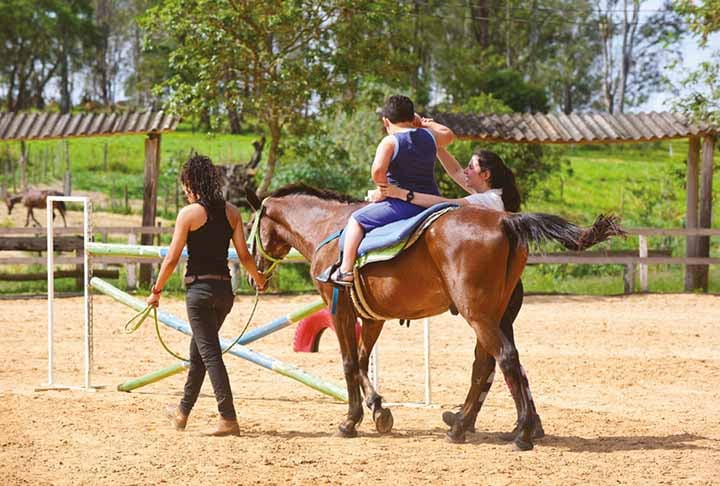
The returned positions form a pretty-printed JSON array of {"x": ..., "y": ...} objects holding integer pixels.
[
  {"x": 374, "y": 369},
  {"x": 87, "y": 329}
]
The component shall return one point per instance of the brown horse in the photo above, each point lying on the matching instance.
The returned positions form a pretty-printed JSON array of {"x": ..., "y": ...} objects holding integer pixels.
[
  {"x": 470, "y": 261},
  {"x": 36, "y": 199}
]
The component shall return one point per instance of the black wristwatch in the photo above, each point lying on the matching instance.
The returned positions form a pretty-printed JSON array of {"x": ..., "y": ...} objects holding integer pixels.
[{"x": 410, "y": 196}]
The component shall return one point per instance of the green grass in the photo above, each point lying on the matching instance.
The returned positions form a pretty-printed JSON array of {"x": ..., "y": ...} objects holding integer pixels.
[{"x": 126, "y": 158}]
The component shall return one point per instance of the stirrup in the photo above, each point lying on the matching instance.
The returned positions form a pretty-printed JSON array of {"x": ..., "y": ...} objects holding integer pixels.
[
  {"x": 337, "y": 278},
  {"x": 326, "y": 274}
]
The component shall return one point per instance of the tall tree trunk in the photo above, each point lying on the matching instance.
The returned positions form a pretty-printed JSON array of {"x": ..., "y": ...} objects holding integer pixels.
[
  {"x": 508, "y": 30},
  {"x": 629, "y": 28},
  {"x": 275, "y": 133},
  {"x": 605, "y": 26},
  {"x": 567, "y": 99},
  {"x": 64, "y": 76},
  {"x": 234, "y": 119},
  {"x": 480, "y": 13}
]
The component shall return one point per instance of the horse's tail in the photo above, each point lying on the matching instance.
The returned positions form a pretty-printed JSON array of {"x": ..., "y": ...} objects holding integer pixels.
[{"x": 523, "y": 228}]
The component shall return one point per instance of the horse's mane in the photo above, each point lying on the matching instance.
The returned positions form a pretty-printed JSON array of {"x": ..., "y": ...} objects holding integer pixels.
[{"x": 325, "y": 194}]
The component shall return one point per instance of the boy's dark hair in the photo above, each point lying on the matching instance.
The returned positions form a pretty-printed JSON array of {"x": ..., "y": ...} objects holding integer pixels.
[
  {"x": 398, "y": 109},
  {"x": 203, "y": 179}
]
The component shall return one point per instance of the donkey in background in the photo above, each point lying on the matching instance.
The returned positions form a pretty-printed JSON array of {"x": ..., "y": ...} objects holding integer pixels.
[{"x": 36, "y": 199}]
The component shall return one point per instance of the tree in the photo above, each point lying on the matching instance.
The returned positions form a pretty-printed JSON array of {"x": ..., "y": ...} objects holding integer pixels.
[
  {"x": 272, "y": 59},
  {"x": 632, "y": 68},
  {"x": 703, "y": 100},
  {"x": 42, "y": 40}
]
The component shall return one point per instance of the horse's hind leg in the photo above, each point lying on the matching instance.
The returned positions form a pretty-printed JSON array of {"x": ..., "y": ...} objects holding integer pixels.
[
  {"x": 62, "y": 213},
  {"x": 498, "y": 345},
  {"x": 382, "y": 417},
  {"x": 482, "y": 378}
]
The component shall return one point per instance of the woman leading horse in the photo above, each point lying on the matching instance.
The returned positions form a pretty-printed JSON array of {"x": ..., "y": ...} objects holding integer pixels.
[{"x": 469, "y": 260}]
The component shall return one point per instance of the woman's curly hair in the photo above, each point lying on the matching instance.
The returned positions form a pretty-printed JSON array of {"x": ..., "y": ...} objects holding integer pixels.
[{"x": 203, "y": 179}]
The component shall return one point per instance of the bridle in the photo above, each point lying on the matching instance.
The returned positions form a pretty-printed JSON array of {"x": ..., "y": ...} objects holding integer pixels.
[{"x": 254, "y": 241}]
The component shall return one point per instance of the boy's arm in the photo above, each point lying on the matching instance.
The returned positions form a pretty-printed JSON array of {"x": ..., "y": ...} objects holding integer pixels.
[
  {"x": 453, "y": 168},
  {"x": 381, "y": 163},
  {"x": 443, "y": 135}
]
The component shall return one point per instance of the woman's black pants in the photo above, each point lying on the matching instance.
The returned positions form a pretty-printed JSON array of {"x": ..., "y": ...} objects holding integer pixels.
[{"x": 208, "y": 302}]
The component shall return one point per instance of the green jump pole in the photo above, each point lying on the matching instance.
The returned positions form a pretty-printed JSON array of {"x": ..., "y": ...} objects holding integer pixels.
[
  {"x": 114, "y": 249},
  {"x": 238, "y": 350},
  {"x": 158, "y": 375}
]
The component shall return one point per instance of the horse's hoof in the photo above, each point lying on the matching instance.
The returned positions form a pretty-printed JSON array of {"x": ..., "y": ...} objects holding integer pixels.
[
  {"x": 346, "y": 432},
  {"x": 451, "y": 417},
  {"x": 538, "y": 432},
  {"x": 383, "y": 419},
  {"x": 521, "y": 445},
  {"x": 455, "y": 437}
]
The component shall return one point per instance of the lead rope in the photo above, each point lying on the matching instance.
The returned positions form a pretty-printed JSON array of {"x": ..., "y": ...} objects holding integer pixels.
[{"x": 137, "y": 320}]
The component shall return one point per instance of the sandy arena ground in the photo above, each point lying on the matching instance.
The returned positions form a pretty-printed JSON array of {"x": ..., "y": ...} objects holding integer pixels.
[{"x": 627, "y": 388}]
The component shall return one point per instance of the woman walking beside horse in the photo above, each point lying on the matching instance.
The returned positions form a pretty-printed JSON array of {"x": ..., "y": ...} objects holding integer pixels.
[{"x": 207, "y": 224}]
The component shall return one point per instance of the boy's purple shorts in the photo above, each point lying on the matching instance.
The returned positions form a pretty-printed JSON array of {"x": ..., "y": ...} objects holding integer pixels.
[{"x": 384, "y": 212}]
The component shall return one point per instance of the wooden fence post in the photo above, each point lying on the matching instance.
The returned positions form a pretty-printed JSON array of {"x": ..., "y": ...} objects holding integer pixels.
[
  {"x": 629, "y": 278},
  {"x": 691, "y": 212},
  {"x": 67, "y": 182},
  {"x": 152, "y": 169},
  {"x": 705, "y": 220},
  {"x": 643, "y": 246}
]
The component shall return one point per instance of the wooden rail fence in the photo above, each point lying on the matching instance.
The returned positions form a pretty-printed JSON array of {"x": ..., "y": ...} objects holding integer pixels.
[{"x": 636, "y": 262}]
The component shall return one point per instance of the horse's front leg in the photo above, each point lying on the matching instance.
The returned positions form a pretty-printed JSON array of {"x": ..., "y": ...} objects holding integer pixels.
[
  {"x": 344, "y": 320},
  {"x": 382, "y": 417},
  {"x": 32, "y": 215}
]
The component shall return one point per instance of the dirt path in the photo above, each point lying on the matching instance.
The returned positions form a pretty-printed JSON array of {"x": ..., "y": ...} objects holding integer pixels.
[{"x": 627, "y": 389}]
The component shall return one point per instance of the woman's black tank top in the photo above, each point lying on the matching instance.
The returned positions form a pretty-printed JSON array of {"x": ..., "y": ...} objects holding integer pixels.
[{"x": 207, "y": 246}]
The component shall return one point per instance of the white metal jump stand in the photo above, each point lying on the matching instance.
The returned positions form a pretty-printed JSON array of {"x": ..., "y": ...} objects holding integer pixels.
[
  {"x": 374, "y": 370},
  {"x": 87, "y": 209}
]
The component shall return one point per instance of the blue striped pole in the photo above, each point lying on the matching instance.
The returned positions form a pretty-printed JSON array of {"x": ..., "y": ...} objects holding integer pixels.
[{"x": 289, "y": 370}]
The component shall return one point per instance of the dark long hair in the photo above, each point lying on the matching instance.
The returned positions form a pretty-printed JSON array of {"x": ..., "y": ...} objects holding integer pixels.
[
  {"x": 203, "y": 179},
  {"x": 501, "y": 177}
]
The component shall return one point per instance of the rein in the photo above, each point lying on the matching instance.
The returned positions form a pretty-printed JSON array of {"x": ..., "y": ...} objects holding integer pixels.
[
  {"x": 254, "y": 241},
  {"x": 137, "y": 320}
]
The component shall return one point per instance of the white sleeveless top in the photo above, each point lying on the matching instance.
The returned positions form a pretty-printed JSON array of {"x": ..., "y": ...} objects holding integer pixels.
[{"x": 491, "y": 199}]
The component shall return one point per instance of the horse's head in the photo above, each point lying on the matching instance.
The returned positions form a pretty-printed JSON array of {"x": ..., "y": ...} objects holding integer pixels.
[{"x": 266, "y": 244}]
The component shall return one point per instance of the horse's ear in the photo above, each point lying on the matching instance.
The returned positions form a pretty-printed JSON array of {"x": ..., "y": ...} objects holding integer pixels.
[{"x": 252, "y": 199}]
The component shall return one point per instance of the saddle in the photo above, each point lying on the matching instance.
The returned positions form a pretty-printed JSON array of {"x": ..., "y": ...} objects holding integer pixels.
[{"x": 382, "y": 244}]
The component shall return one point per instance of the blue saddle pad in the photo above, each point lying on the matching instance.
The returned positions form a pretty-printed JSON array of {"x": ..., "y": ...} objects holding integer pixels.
[{"x": 394, "y": 234}]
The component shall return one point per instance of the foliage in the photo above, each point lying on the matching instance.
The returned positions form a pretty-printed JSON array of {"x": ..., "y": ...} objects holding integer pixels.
[
  {"x": 39, "y": 40},
  {"x": 703, "y": 102},
  {"x": 531, "y": 163},
  {"x": 635, "y": 50},
  {"x": 335, "y": 152},
  {"x": 271, "y": 59}
]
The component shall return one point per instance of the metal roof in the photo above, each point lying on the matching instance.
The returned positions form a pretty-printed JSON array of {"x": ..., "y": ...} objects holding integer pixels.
[
  {"x": 44, "y": 126},
  {"x": 559, "y": 128}
]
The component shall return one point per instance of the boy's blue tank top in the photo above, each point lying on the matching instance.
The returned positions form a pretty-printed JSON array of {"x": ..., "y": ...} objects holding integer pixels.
[{"x": 413, "y": 165}]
